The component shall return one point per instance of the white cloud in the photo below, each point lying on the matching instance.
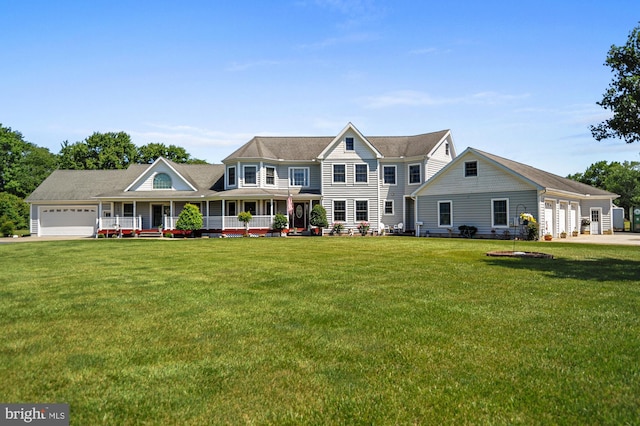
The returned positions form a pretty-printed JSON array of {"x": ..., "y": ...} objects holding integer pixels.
[{"x": 417, "y": 98}]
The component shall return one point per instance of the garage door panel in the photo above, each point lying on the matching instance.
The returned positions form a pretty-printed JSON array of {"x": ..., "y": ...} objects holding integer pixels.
[{"x": 68, "y": 220}]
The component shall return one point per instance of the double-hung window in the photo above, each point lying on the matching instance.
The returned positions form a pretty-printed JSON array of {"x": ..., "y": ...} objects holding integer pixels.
[
  {"x": 250, "y": 175},
  {"x": 414, "y": 174},
  {"x": 270, "y": 175},
  {"x": 348, "y": 144},
  {"x": 362, "y": 210},
  {"x": 231, "y": 176},
  {"x": 470, "y": 168},
  {"x": 500, "y": 212},
  {"x": 389, "y": 175},
  {"x": 362, "y": 171},
  {"x": 339, "y": 210},
  {"x": 388, "y": 206},
  {"x": 299, "y": 176},
  {"x": 445, "y": 213},
  {"x": 339, "y": 173}
]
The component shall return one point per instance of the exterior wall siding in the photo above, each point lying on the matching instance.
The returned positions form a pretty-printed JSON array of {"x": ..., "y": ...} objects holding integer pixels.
[
  {"x": 473, "y": 209},
  {"x": 489, "y": 176}
]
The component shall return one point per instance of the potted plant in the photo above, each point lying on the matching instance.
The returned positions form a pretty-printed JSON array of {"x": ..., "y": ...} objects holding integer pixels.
[
  {"x": 548, "y": 237},
  {"x": 245, "y": 217},
  {"x": 585, "y": 225},
  {"x": 337, "y": 228},
  {"x": 574, "y": 233},
  {"x": 318, "y": 218},
  {"x": 363, "y": 227},
  {"x": 280, "y": 222},
  {"x": 563, "y": 234}
]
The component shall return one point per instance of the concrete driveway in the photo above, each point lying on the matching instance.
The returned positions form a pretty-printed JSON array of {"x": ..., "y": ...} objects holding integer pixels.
[{"x": 619, "y": 238}]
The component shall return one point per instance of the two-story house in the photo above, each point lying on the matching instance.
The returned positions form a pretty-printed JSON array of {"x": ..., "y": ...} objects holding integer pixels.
[{"x": 356, "y": 178}]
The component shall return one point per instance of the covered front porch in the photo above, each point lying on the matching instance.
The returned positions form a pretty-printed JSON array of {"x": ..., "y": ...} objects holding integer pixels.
[{"x": 219, "y": 216}]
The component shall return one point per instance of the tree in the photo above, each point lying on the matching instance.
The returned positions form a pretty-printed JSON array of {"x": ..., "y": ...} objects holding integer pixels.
[
  {"x": 99, "y": 151},
  {"x": 14, "y": 209},
  {"x": 23, "y": 165},
  {"x": 245, "y": 217},
  {"x": 619, "y": 178},
  {"x": 190, "y": 218},
  {"x": 623, "y": 95},
  {"x": 150, "y": 152}
]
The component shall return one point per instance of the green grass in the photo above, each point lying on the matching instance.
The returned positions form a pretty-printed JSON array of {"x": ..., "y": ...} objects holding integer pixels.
[{"x": 321, "y": 331}]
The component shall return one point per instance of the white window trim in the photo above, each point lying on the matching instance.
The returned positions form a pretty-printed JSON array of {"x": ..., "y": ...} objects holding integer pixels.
[
  {"x": 353, "y": 141},
  {"x": 384, "y": 208},
  {"x": 464, "y": 169},
  {"x": 355, "y": 166},
  {"x": 395, "y": 175},
  {"x": 333, "y": 174},
  {"x": 409, "y": 174},
  {"x": 440, "y": 225},
  {"x": 275, "y": 176},
  {"x": 333, "y": 210},
  {"x": 307, "y": 177},
  {"x": 355, "y": 210},
  {"x": 244, "y": 175},
  {"x": 493, "y": 216},
  {"x": 229, "y": 185}
]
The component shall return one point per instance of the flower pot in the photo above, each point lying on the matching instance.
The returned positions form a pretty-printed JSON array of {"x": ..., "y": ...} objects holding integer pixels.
[{"x": 548, "y": 237}]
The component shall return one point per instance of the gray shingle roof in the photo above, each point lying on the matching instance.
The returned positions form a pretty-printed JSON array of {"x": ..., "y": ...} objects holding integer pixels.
[
  {"x": 72, "y": 185},
  {"x": 545, "y": 179},
  {"x": 304, "y": 148}
]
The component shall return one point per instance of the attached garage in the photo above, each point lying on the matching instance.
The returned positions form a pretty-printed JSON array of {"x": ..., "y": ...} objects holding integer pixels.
[{"x": 67, "y": 220}]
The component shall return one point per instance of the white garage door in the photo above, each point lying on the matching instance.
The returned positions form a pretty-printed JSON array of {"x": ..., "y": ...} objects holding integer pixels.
[{"x": 65, "y": 220}]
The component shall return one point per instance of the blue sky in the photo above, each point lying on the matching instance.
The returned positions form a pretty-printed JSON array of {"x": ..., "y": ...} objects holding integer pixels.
[{"x": 516, "y": 79}]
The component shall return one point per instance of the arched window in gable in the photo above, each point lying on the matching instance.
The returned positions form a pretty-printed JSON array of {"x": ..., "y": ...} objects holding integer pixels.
[{"x": 162, "y": 181}]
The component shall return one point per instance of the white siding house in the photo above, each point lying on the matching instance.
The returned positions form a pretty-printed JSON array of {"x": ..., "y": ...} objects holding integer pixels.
[{"x": 490, "y": 192}]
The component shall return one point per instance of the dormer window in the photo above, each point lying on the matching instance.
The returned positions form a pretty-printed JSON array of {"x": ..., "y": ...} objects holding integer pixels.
[
  {"x": 348, "y": 144},
  {"x": 162, "y": 181}
]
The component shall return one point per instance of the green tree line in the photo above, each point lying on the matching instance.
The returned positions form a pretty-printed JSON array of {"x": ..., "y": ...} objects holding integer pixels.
[{"x": 23, "y": 165}]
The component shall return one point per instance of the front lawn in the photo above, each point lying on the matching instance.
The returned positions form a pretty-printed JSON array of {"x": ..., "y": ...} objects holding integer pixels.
[{"x": 385, "y": 330}]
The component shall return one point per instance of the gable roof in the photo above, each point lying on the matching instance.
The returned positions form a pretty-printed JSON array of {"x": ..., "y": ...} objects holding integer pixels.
[
  {"x": 169, "y": 164},
  {"x": 308, "y": 148},
  {"x": 74, "y": 185},
  {"x": 546, "y": 180},
  {"x": 337, "y": 139},
  {"x": 539, "y": 178}
]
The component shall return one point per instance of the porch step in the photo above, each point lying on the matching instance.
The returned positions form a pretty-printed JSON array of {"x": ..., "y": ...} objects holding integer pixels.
[{"x": 150, "y": 234}]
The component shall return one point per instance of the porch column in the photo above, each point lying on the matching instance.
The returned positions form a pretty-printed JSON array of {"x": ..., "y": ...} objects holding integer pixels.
[
  {"x": 222, "y": 223},
  {"x": 207, "y": 214},
  {"x": 134, "y": 215}
]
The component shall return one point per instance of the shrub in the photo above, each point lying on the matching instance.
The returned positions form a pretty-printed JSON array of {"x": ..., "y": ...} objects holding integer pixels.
[
  {"x": 6, "y": 226},
  {"x": 467, "y": 231},
  {"x": 14, "y": 209},
  {"x": 190, "y": 218},
  {"x": 318, "y": 217},
  {"x": 280, "y": 222}
]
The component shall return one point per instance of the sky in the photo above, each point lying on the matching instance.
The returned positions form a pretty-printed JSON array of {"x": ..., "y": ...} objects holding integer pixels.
[{"x": 516, "y": 79}]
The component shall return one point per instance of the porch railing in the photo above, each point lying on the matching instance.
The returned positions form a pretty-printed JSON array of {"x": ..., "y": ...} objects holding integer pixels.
[
  {"x": 118, "y": 222},
  {"x": 208, "y": 222},
  {"x": 257, "y": 222},
  {"x": 230, "y": 222}
]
